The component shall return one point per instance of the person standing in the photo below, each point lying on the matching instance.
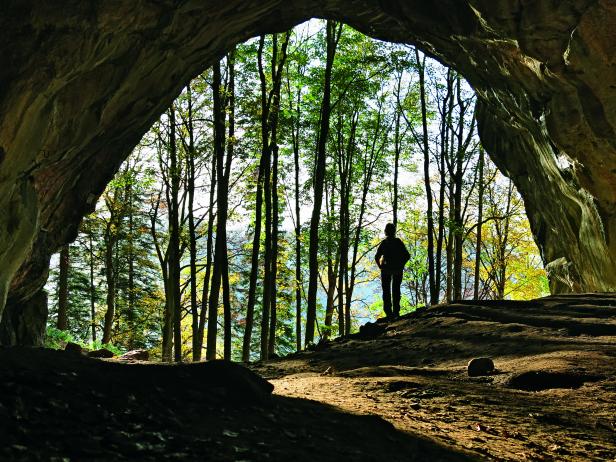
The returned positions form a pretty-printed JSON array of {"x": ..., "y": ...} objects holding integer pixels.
[{"x": 391, "y": 256}]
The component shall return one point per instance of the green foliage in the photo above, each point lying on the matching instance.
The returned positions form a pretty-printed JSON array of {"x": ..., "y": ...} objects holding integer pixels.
[{"x": 57, "y": 339}]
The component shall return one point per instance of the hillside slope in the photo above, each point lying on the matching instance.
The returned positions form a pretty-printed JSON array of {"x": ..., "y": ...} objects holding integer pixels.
[{"x": 552, "y": 395}]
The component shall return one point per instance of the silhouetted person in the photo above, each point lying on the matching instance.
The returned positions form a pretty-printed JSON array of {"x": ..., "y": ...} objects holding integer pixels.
[{"x": 391, "y": 256}]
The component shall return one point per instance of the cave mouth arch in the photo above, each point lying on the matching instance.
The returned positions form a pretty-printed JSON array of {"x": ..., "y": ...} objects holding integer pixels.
[{"x": 537, "y": 71}]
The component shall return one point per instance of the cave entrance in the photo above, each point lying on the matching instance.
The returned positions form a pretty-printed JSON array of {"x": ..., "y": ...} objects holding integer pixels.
[{"x": 150, "y": 251}]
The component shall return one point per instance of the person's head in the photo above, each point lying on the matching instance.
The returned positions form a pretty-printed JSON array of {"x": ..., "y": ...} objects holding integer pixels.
[{"x": 390, "y": 230}]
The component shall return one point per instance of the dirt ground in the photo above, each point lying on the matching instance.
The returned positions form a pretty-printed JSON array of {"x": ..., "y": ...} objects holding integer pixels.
[
  {"x": 551, "y": 397},
  {"x": 395, "y": 391}
]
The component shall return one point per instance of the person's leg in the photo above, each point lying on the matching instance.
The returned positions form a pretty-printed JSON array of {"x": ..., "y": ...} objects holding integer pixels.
[
  {"x": 397, "y": 282},
  {"x": 386, "y": 285}
]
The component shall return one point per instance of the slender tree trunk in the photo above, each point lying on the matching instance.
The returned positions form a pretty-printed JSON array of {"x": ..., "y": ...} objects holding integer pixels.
[
  {"x": 269, "y": 123},
  {"x": 267, "y": 261},
  {"x": 426, "y": 152},
  {"x": 267, "y": 190},
  {"x": 269, "y": 120},
  {"x": 449, "y": 249},
  {"x": 275, "y": 224},
  {"x": 276, "y": 68},
  {"x": 294, "y": 99},
  {"x": 131, "y": 316},
  {"x": 332, "y": 263},
  {"x": 110, "y": 279},
  {"x": 298, "y": 235},
  {"x": 341, "y": 159},
  {"x": 397, "y": 152},
  {"x": 254, "y": 265},
  {"x": 479, "y": 225},
  {"x": 344, "y": 255},
  {"x": 346, "y": 158},
  {"x": 331, "y": 289},
  {"x": 174, "y": 239},
  {"x": 192, "y": 232},
  {"x": 502, "y": 250},
  {"x": 370, "y": 160},
  {"x": 62, "y": 322},
  {"x": 447, "y": 110},
  {"x": 438, "y": 261},
  {"x": 163, "y": 259},
  {"x": 226, "y": 291},
  {"x": 220, "y": 249},
  {"x": 208, "y": 261},
  {"x": 458, "y": 223},
  {"x": 333, "y": 35},
  {"x": 92, "y": 289}
]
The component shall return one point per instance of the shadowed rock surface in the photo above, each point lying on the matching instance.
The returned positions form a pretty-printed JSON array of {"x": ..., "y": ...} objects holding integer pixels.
[
  {"x": 56, "y": 405},
  {"x": 81, "y": 82}
]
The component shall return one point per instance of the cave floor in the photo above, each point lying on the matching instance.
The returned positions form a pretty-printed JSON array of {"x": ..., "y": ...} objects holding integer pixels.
[
  {"x": 552, "y": 395},
  {"x": 395, "y": 391}
]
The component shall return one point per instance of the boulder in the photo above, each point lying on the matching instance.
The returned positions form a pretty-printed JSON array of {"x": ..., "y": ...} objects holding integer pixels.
[
  {"x": 135, "y": 355},
  {"x": 101, "y": 353},
  {"x": 371, "y": 330},
  {"x": 480, "y": 366},
  {"x": 73, "y": 348}
]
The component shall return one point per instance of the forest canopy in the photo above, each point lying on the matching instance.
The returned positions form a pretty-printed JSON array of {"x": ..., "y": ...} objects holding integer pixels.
[{"x": 245, "y": 222}]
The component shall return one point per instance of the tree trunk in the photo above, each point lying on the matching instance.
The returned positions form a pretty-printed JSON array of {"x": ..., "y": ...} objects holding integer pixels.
[
  {"x": 167, "y": 342},
  {"x": 62, "y": 322},
  {"x": 275, "y": 223},
  {"x": 92, "y": 289},
  {"x": 329, "y": 306},
  {"x": 332, "y": 37},
  {"x": 226, "y": 291},
  {"x": 502, "y": 251},
  {"x": 163, "y": 258},
  {"x": 174, "y": 240},
  {"x": 479, "y": 225},
  {"x": 220, "y": 248},
  {"x": 345, "y": 170},
  {"x": 208, "y": 261},
  {"x": 426, "y": 153},
  {"x": 110, "y": 279},
  {"x": 254, "y": 265},
  {"x": 131, "y": 264},
  {"x": 397, "y": 152},
  {"x": 370, "y": 161},
  {"x": 267, "y": 260},
  {"x": 276, "y": 70},
  {"x": 267, "y": 177},
  {"x": 449, "y": 250},
  {"x": 446, "y": 113},
  {"x": 269, "y": 123},
  {"x": 192, "y": 233},
  {"x": 458, "y": 221},
  {"x": 298, "y": 231}
]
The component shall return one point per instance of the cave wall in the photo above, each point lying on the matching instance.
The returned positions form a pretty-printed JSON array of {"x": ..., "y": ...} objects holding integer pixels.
[{"x": 81, "y": 82}]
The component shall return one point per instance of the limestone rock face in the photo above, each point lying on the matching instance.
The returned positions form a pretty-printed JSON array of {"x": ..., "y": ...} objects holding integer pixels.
[
  {"x": 81, "y": 82},
  {"x": 24, "y": 322}
]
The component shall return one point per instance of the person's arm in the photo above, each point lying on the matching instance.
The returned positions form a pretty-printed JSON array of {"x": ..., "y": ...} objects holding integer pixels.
[{"x": 378, "y": 255}]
